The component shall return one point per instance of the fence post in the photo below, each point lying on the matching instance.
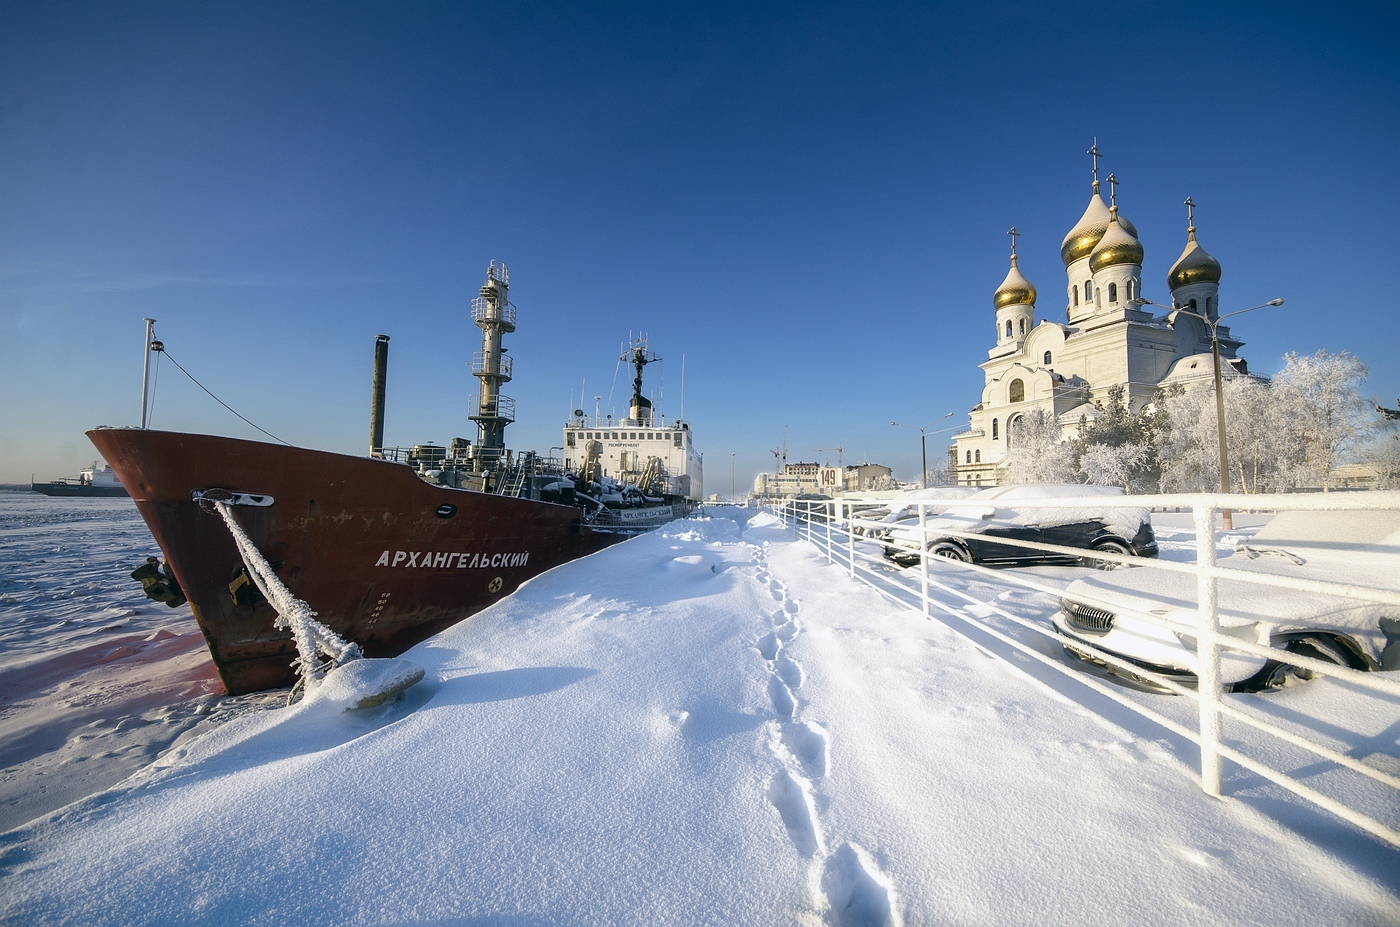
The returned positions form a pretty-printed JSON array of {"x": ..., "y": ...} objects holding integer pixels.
[
  {"x": 851, "y": 547},
  {"x": 832, "y": 515},
  {"x": 1207, "y": 648},
  {"x": 923, "y": 560}
]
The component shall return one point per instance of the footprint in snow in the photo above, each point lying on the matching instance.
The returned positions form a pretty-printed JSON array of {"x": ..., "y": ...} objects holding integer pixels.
[
  {"x": 809, "y": 743},
  {"x": 789, "y": 670},
  {"x": 792, "y": 796},
  {"x": 783, "y": 702},
  {"x": 858, "y": 893},
  {"x": 768, "y": 646}
]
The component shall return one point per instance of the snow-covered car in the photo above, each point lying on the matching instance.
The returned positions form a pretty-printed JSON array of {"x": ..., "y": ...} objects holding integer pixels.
[
  {"x": 1148, "y": 617},
  {"x": 979, "y": 528}
]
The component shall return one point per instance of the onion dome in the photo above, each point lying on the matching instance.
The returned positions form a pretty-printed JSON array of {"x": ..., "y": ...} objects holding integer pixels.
[
  {"x": 1015, "y": 290},
  {"x": 1119, "y": 245},
  {"x": 1080, "y": 241},
  {"x": 1194, "y": 265}
]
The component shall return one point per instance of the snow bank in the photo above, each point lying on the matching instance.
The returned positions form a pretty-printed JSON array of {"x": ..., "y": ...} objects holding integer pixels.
[{"x": 703, "y": 725}]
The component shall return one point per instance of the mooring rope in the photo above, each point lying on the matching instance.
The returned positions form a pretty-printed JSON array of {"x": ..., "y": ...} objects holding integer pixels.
[{"x": 293, "y": 614}]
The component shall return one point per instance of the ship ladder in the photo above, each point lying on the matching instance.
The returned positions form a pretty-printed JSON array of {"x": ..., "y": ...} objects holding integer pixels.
[
  {"x": 368, "y": 683},
  {"x": 513, "y": 481}
]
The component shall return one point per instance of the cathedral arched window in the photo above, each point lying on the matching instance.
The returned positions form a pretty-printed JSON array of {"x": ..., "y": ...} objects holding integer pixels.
[
  {"x": 978, "y": 456},
  {"x": 1008, "y": 328},
  {"x": 1088, "y": 290},
  {"x": 1191, "y": 305},
  {"x": 1113, "y": 292},
  {"x": 1210, "y": 304},
  {"x": 1075, "y": 291},
  {"x": 994, "y": 429},
  {"x": 1047, "y": 358},
  {"x": 1016, "y": 392},
  {"x": 969, "y": 456},
  {"x": 1022, "y": 327}
]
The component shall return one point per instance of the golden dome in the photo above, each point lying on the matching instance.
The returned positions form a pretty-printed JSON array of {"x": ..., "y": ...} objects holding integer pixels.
[
  {"x": 1080, "y": 241},
  {"x": 1194, "y": 265},
  {"x": 1015, "y": 290},
  {"x": 1119, "y": 245}
]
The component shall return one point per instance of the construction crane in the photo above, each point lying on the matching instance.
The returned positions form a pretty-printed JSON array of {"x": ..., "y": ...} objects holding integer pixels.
[
  {"x": 840, "y": 454},
  {"x": 780, "y": 457}
]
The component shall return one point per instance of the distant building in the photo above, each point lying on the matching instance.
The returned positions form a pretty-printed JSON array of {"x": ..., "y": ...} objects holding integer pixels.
[
  {"x": 799, "y": 478},
  {"x": 1110, "y": 337}
]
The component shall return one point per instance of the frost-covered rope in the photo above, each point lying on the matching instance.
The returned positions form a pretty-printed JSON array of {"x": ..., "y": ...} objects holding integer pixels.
[{"x": 292, "y": 613}]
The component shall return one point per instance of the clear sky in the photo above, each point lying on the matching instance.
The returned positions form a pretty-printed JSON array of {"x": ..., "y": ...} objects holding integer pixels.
[{"x": 806, "y": 203}]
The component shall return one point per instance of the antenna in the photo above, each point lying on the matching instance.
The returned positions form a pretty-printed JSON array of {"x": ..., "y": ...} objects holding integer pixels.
[
  {"x": 146, "y": 368},
  {"x": 682, "y": 387}
]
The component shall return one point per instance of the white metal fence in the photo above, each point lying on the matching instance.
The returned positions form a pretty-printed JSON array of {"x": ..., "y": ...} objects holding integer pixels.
[{"x": 852, "y": 541}]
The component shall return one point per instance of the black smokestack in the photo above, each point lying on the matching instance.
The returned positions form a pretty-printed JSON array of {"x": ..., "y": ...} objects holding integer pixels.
[{"x": 376, "y": 410}]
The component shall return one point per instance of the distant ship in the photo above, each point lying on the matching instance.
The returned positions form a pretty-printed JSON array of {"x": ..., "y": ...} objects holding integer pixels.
[
  {"x": 392, "y": 548},
  {"x": 97, "y": 480}
]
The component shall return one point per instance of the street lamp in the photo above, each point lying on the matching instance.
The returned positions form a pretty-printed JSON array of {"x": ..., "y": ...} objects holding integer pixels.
[
  {"x": 1214, "y": 324},
  {"x": 923, "y": 444}
]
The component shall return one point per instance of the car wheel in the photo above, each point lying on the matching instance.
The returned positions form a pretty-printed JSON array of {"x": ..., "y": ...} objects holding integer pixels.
[
  {"x": 1275, "y": 674},
  {"x": 1109, "y": 546},
  {"x": 949, "y": 550}
]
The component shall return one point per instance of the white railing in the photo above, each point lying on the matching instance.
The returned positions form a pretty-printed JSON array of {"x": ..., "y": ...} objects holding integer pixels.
[{"x": 853, "y": 542}]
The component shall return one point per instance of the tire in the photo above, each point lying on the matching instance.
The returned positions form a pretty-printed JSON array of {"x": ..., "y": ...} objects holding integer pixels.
[
  {"x": 1275, "y": 674},
  {"x": 1109, "y": 546},
  {"x": 949, "y": 550}
]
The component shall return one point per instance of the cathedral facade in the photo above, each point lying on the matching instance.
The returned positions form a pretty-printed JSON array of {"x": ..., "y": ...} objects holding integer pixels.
[{"x": 1110, "y": 336}]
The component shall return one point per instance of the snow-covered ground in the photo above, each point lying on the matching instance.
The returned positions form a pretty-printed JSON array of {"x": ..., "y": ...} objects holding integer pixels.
[{"x": 705, "y": 725}]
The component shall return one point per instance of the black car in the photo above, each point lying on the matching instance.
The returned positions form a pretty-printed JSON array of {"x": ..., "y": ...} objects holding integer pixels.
[{"x": 977, "y": 527}]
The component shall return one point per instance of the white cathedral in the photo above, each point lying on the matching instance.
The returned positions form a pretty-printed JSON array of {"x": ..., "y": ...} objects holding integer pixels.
[{"x": 1110, "y": 338}]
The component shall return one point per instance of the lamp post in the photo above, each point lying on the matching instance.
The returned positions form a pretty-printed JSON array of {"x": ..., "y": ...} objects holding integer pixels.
[
  {"x": 1214, "y": 325},
  {"x": 923, "y": 444}
]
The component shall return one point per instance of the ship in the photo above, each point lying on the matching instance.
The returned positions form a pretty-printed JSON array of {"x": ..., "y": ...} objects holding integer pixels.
[
  {"x": 390, "y": 548},
  {"x": 97, "y": 480}
]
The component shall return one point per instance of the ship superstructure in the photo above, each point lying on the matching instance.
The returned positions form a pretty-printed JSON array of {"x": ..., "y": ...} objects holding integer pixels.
[{"x": 643, "y": 450}]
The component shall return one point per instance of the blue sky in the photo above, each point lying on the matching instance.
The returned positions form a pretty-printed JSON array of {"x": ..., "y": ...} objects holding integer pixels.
[{"x": 807, "y": 202}]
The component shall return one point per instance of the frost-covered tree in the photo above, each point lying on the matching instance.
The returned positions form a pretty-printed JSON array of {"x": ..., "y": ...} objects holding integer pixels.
[
  {"x": 1038, "y": 453},
  {"x": 1261, "y": 449},
  {"x": 1328, "y": 416},
  {"x": 1118, "y": 448},
  {"x": 941, "y": 473},
  {"x": 1116, "y": 465}
]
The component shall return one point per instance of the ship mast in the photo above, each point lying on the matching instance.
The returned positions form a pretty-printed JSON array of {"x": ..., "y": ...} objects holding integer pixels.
[
  {"x": 638, "y": 354},
  {"x": 495, "y": 316}
]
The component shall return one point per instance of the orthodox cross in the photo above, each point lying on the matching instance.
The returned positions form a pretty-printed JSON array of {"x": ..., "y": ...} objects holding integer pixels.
[
  {"x": 1013, "y": 233},
  {"x": 1095, "y": 152},
  {"x": 1190, "y": 215},
  {"x": 1112, "y": 191}
]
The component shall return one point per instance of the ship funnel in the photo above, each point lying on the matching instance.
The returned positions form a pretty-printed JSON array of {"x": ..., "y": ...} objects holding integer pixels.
[{"x": 376, "y": 408}]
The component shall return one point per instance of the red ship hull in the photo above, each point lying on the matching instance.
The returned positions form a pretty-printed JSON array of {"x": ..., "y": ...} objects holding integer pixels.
[{"x": 384, "y": 558}]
